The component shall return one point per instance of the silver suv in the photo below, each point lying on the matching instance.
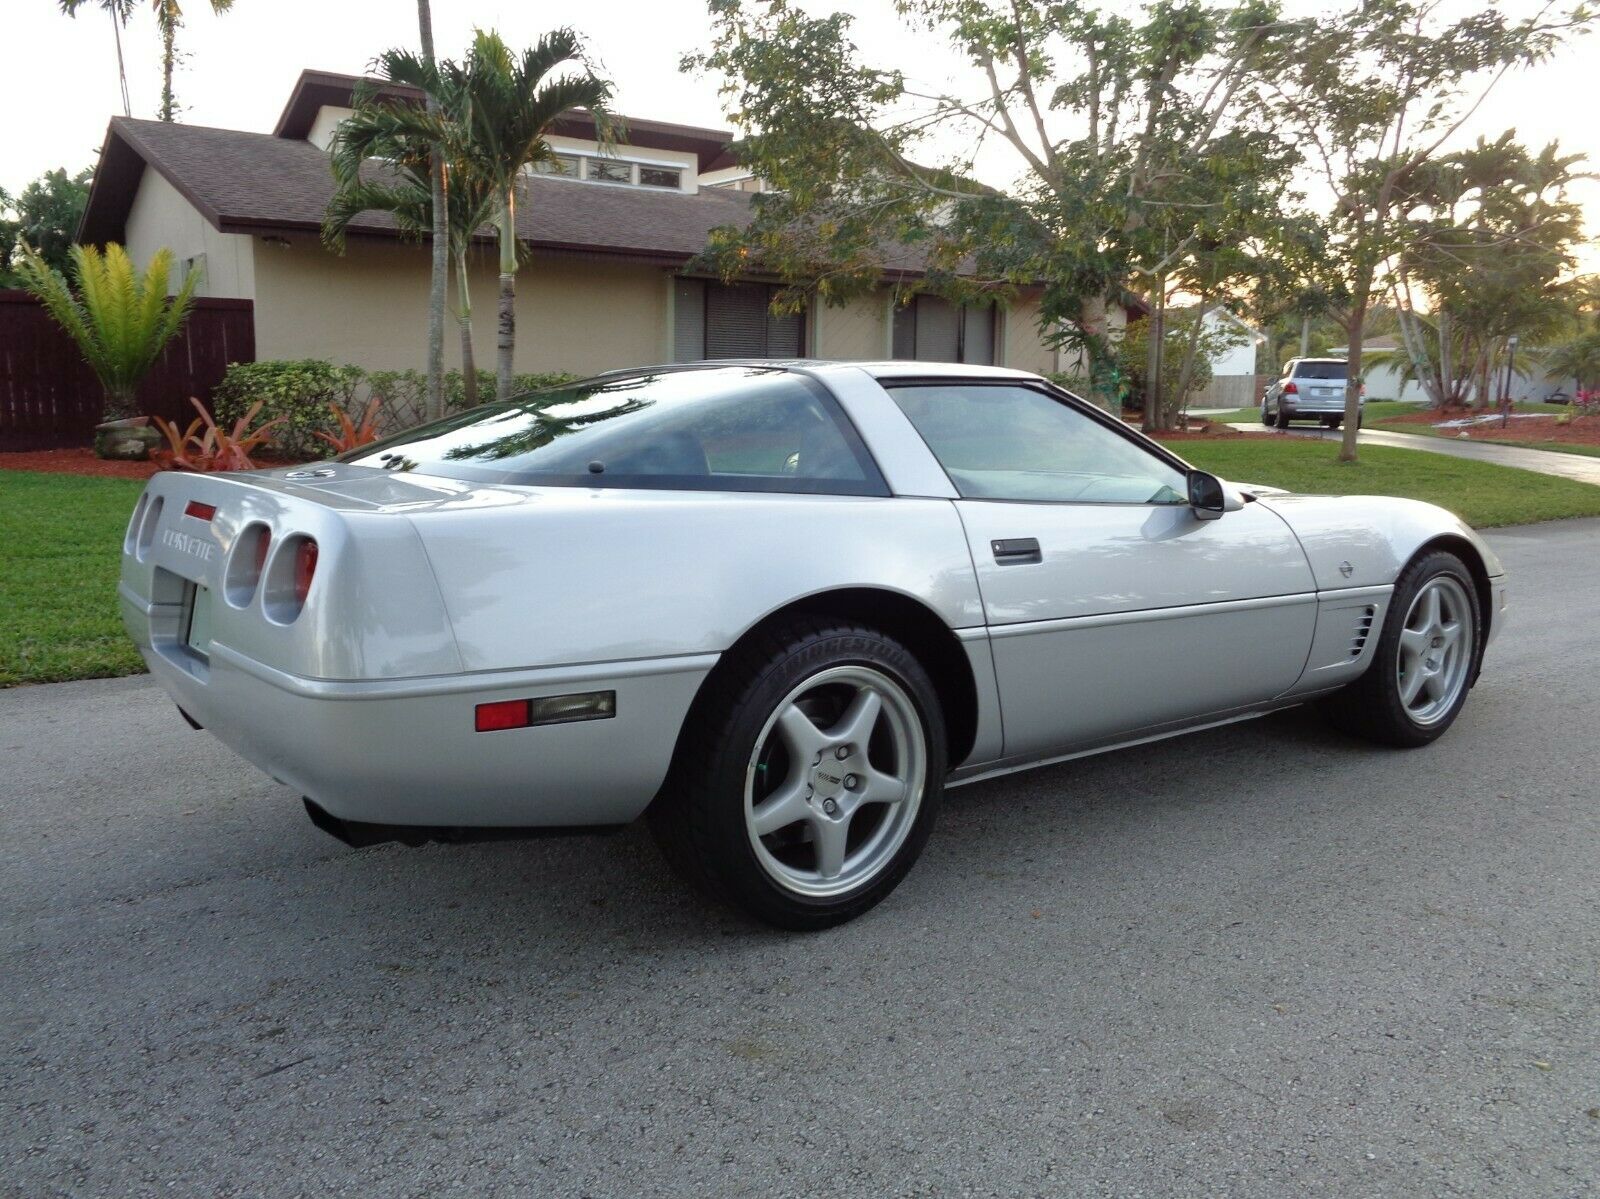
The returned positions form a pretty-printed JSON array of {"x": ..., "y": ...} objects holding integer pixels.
[{"x": 1310, "y": 389}]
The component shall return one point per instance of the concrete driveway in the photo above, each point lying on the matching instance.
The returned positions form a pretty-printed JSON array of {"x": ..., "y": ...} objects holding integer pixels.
[
  {"x": 1260, "y": 961},
  {"x": 1579, "y": 467}
]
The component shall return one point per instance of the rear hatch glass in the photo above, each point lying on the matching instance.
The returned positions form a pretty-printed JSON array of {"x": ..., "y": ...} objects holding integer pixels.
[{"x": 1320, "y": 370}]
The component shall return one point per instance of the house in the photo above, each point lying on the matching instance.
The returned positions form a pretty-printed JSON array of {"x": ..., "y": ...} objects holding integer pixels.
[{"x": 611, "y": 235}]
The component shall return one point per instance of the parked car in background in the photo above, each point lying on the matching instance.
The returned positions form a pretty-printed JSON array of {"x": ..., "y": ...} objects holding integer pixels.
[
  {"x": 1309, "y": 389},
  {"x": 776, "y": 607}
]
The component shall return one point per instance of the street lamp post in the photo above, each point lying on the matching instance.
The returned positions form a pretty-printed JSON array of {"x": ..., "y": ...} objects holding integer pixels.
[{"x": 1505, "y": 392}]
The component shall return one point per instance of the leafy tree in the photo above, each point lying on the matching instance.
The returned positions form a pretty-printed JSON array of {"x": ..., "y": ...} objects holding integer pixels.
[
  {"x": 1378, "y": 91},
  {"x": 45, "y": 216},
  {"x": 119, "y": 11},
  {"x": 121, "y": 319},
  {"x": 1120, "y": 133},
  {"x": 504, "y": 106}
]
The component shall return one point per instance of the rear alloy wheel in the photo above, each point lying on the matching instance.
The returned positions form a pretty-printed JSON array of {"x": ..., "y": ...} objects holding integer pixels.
[
  {"x": 1425, "y": 660},
  {"x": 806, "y": 785}
]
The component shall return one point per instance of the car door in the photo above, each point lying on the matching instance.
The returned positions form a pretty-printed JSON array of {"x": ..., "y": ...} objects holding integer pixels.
[{"x": 1112, "y": 608}]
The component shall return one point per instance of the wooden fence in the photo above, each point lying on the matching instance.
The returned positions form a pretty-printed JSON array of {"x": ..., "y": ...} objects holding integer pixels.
[{"x": 49, "y": 398}]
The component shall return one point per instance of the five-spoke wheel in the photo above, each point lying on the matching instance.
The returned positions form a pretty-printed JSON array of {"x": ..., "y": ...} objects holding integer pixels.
[{"x": 808, "y": 776}]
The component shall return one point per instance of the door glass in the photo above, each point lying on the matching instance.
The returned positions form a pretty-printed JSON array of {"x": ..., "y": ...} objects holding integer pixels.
[{"x": 1007, "y": 442}]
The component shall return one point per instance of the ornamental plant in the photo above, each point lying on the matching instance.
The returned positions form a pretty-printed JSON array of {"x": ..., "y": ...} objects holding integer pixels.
[
  {"x": 120, "y": 318},
  {"x": 216, "y": 448}
]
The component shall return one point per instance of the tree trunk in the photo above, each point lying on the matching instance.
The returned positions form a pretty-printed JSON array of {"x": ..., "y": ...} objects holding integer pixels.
[
  {"x": 1446, "y": 383},
  {"x": 440, "y": 242},
  {"x": 1355, "y": 330},
  {"x": 469, "y": 367},
  {"x": 506, "y": 224},
  {"x": 169, "y": 36},
  {"x": 1155, "y": 345},
  {"x": 1191, "y": 354},
  {"x": 1092, "y": 322},
  {"x": 122, "y": 68},
  {"x": 1305, "y": 337}
]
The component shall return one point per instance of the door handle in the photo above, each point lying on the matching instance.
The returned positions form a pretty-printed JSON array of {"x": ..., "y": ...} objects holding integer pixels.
[{"x": 1016, "y": 551}]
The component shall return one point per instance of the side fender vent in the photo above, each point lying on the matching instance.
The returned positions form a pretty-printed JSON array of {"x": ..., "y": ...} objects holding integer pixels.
[{"x": 1363, "y": 630}]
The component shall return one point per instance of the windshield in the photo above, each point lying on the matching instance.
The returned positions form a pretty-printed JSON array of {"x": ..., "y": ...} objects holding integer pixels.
[
  {"x": 722, "y": 429},
  {"x": 1320, "y": 370}
]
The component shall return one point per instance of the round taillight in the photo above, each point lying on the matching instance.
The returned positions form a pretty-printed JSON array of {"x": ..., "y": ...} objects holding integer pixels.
[
  {"x": 305, "y": 566},
  {"x": 247, "y": 563}
]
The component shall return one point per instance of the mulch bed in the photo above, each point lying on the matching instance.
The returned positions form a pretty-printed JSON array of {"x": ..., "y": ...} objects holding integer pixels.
[
  {"x": 80, "y": 460},
  {"x": 1583, "y": 430}
]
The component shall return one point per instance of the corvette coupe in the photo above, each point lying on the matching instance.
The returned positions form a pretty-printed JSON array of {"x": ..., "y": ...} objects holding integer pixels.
[{"x": 776, "y": 608}]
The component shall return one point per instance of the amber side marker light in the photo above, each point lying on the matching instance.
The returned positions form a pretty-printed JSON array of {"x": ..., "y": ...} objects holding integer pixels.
[{"x": 550, "y": 709}]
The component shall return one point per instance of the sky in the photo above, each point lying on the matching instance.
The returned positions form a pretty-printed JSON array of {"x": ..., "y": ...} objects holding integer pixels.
[{"x": 240, "y": 67}]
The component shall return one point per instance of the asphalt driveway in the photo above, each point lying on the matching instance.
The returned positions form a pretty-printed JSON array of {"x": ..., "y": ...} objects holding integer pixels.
[{"x": 1258, "y": 961}]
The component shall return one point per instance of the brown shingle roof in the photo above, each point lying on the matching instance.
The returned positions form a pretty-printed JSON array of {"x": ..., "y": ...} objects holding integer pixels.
[{"x": 245, "y": 182}]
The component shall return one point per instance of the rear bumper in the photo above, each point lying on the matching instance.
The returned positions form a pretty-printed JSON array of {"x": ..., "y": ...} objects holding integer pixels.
[
  {"x": 404, "y": 751},
  {"x": 1317, "y": 408}
]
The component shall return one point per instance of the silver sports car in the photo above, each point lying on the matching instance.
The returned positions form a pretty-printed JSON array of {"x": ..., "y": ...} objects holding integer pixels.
[{"x": 775, "y": 607}]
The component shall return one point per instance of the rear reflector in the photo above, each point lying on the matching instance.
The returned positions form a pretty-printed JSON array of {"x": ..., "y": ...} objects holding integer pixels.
[
  {"x": 551, "y": 709},
  {"x": 199, "y": 511}
]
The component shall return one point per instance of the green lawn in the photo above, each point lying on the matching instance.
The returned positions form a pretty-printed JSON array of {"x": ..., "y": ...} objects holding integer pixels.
[
  {"x": 1480, "y": 493},
  {"x": 60, "y": 545}
]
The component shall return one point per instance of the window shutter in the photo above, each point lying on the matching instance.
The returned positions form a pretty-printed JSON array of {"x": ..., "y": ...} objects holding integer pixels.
[
  {"x": 785, "y": 334},
  {"x": 736, "y": 321},
  {"x": 938, "y": 330},
  {"x": 977, "y": 335},
  {"x": 688, "y": 320},
  {"x": 905, "y": 330}
]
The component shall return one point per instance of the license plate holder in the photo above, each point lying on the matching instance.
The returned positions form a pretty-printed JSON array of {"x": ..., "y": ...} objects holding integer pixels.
[{"x": 197, "y": 619}]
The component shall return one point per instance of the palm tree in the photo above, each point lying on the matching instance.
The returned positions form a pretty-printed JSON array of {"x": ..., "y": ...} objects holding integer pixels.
[
  {"x": 437, "y": 205},
  {"x": 403, "y": 188},
  {"x": 169, "y": 16},
  {"x": 494, "y": 111},
  {"x": 120, "y": 319},
  {"x": 119, "y": 11},
  {"x": 1578, "y": 360}
]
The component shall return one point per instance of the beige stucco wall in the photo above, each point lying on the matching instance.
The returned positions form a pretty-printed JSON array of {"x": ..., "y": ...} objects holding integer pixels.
[
  {"x": 160, "y": 216},
  {"x": 1021, "y": 346},
  {"x": 370, "y": 308},
  {"x": 856, "y": 330}
]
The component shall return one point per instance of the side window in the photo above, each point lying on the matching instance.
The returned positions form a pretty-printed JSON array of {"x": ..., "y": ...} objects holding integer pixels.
[{"x": 1009, "y": 442}]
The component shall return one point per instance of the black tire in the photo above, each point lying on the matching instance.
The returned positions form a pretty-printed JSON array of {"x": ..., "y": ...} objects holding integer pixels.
[
  {"x": 699, "y": 818},
  {"x": 1333, "y": 422},
  {"x": 1371, "y": 707},
  {"x": 1282, "y": 418},
  {"x": 1266, "y": 417}
]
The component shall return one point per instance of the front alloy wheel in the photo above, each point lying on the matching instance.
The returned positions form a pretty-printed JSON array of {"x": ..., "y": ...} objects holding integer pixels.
[{"x": 1425, "y": 659}]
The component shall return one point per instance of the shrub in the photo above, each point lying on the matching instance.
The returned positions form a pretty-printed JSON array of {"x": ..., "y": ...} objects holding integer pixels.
[
  {"x": 402, "y": 398},
  {"x": 455, "y": 394},
  {"x": 301, "y": 395},
  {"x": 352, "y": 435}
]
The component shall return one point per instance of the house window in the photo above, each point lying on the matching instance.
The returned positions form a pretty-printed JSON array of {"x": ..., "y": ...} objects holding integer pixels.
[
  {"x": 732, "y": 320},
  {"x": 659, "y": 177},
  {"x": 562, "y": 164},
  {"x": 931, "y": 329},
  {"x": 610, "y": 170}
]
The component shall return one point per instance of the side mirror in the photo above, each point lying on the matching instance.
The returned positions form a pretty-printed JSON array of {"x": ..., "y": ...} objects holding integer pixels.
[{"x": 1207, "y": 496}]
